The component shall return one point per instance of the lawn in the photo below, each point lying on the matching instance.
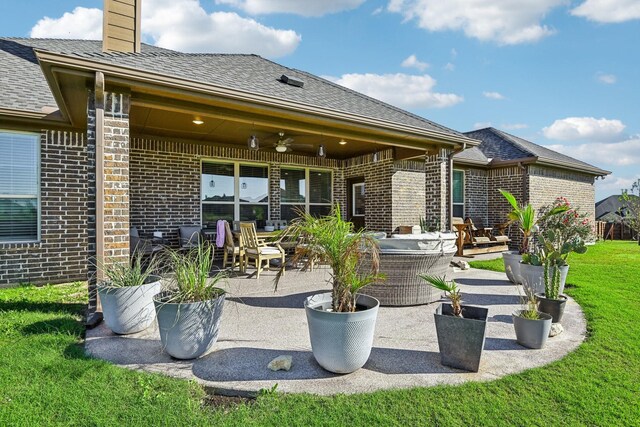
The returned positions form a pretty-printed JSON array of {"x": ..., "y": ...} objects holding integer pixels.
[{"x": 45, "y": 379}]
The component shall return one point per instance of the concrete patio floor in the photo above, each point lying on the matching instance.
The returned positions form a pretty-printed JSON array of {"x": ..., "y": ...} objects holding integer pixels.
[{"x": 259, "y": 325}]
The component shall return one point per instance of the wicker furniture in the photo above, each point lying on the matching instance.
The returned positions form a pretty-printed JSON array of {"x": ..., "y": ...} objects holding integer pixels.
[{"x": 403, "y": 286}]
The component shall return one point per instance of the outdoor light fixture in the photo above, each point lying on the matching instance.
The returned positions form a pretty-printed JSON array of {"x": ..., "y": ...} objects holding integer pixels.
[
  {"x": 212, "y": 183},
  {"x": 244, "y": 185},
  {"x": 253, "y": 143},
  {"x": 321, "y": 151},
  {"x": 197, "y": 121},
  {"x": 342, "y": 142},
  {"x": 281, "y": 148},
  {"x": 374, "y": 157}
]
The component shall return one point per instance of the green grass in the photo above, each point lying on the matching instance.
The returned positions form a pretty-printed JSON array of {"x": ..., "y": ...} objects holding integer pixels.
[{"x": 46, "y": 380}]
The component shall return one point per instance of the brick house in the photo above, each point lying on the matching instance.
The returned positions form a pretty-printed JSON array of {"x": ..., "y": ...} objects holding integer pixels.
[
  {"x": 530, "y": 172},
  {"x": 96, "y": 137}
]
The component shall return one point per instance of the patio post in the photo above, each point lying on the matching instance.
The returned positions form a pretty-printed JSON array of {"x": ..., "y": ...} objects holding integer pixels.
[{"x": 437, "y": 187}]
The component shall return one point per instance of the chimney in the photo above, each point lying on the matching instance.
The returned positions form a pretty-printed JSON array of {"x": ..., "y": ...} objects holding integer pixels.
[{"x": 121, "y": 26}]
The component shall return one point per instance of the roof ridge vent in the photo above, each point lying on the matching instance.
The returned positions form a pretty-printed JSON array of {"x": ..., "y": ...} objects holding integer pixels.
[{"x": 291, "y": 81}]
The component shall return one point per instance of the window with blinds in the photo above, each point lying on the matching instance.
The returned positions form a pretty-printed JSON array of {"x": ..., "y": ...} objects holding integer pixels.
[
  {"x": 458, "y": 193},
  {"x": 19, "y": 187},
  {"x": 304, "y": 190}
]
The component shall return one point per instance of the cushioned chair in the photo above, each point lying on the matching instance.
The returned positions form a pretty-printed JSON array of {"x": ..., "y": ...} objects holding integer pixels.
[
  {"x": 189, "y": 236},
  {"x": 140, "y": 245},
  {"x": 258, "y": 250}
]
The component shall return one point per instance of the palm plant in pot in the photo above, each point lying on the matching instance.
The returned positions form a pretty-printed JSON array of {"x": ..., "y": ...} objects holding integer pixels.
[
  {"x": 532, "y": 326},
  {"x": 525, "y": 217},
  {"x": 461, "y": 329},
  {"x": 341, "y": 322},
  {"x": 189, "y": 311},
  {"x": 126, "y": 293}
]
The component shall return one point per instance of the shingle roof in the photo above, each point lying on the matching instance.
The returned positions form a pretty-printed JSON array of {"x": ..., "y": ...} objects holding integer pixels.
[
  {"x": 501, "y": 146},
  {"x": 611, "y": 209},
  {"x": 249, "y": 73},
  {"x": 472, "y": 155}
]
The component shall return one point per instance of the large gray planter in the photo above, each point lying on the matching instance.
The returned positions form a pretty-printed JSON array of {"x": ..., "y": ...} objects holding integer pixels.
[
  {"x": 188, "y": 330},
  {"x": 341, "y": 342},
  {"x": 553, "y": 307},
  {"x": 129, "y": 309},
  {"x": 533, "y": 277},
  {"x": 512, "y": 266},
  {"x": 532, "y": 333},
  {"x": 461, "y": 339}
]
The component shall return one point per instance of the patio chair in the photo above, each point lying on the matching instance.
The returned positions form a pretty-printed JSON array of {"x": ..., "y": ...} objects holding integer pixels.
[
  {"x": 258, "y": 250},
  {"x": 189, "y": 237},
  {"x": 231, "y": 249},
  {"x": 139, "y": 245}
]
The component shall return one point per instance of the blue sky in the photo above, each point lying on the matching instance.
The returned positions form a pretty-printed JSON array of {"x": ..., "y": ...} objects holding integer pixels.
[{"x": 561, "y": 73}]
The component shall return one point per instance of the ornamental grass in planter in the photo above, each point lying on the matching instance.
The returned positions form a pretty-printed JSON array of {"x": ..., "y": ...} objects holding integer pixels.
[
  {"x": 461, "y": 329},
  {"x": 342, "y": 322},
  {"x": 126, "y": 293},
  {"x": 190, "y": 310},
  {"x": 531, "y": 326}
]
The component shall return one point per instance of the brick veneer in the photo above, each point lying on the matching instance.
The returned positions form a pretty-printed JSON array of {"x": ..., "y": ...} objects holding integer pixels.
[
  {"x": 408, "y": 202},
  {"x": 513, "y": 179},
  {"x": 476, "y": 200},
  {"x": 437, "y": 188},
  {"x": 61, "y": 253}
]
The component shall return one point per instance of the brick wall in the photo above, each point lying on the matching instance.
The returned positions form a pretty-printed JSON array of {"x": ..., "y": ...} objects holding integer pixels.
[
  {"x": 476, "y": 201},
  {"x": 408, "y": 193},
  {"x": 61, "y": 254},
  {"x": 513, "y": 179},
  {"x": 546, "y": 184},
  {"x": 437, "y": 188}
]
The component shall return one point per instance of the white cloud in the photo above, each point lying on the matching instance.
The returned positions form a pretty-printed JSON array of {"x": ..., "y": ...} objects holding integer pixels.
[
  {"x": 81, "y": 23},
  {"x": 608, "y": 79},
  {"x": 481, "y": 125},
  {"x": 514, "y": 126},
  {"x": 504, "y": 21},
  {"x": 413, "y": 62},
  {"x": 624, "y": 153},
  {"x": 377, "y": 11},
  {"x": 450, "y": 66},
  {"x": 182, "y": 25},
  {"x": 608, "y": 11},
  {"x": 493, "y": 95},
  {"x": 613, "y": 184},
  {"x": 584, "y": 128},
  {"x": 297, "y": 7},
  {"x": 402, "y": 90}
]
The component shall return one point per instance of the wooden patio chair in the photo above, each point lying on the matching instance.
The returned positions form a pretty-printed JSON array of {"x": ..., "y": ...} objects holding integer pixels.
[
  {"x": 231, "y": 249},
  {"x": 258, "y": 250}
]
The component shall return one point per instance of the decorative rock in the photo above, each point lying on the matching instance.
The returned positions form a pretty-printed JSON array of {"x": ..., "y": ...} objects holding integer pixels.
[
  {"x": 280, "y": 363},
  {"x": 463, "y": 265},
  {"x": 556, "y": 329}
]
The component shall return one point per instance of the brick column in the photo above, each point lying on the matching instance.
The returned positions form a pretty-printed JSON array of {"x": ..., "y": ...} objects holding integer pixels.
[
  {"x": 274, "y": 191},
  {"x": 108, "y": 185},
  {"x": 437, "y": 188}
]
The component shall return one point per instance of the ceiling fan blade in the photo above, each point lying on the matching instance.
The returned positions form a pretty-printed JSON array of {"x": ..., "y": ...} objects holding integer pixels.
[
  {"x": 286, "y": 141},
  {"x": 302, "y": 145}
]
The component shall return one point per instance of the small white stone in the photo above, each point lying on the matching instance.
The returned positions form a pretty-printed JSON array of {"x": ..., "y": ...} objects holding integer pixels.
[
  {"x": 556, "y": 329},
  {"x": 281, "y": 363}
]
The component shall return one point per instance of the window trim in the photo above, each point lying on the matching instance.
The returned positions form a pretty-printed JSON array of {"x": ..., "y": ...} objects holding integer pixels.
[
  {"x": 236, "y": 187},
  {"x": 38, "y": 195},
  {"x": 353, "y": 198},
  {"x": 464, "y": 193},
  {"x": 307, "y": 183}
]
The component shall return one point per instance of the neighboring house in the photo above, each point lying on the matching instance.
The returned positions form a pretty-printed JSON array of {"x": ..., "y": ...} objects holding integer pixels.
[
  {"x": 613, "y": 211},
  {"x": 93, "y": 142},
  {"x": 530, "y": 172}
]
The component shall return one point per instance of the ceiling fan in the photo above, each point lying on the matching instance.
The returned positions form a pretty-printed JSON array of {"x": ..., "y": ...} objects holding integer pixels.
[{"x": 284, "y": 145}]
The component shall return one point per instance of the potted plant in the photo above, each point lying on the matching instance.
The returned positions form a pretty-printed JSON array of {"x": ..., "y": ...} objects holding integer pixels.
[
  {"x": 532, "y": 326},
  {"x": 460, "y": 328},
  {"x": 525, "y": 217},
  {"x": 341, "y": 322},
  {"x": 189, "y": 311},
  {"x": 545, "y": 269},
  {"x": 126, "y": 294}
]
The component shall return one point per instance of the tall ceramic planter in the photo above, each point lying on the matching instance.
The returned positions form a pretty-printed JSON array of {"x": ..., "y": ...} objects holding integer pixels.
[
  {"x": 129, "y": 309},
  {"x": 512, "y": 265},
  {"x": 341, "y": 342},
  {"x": 188, "y": 330},
  {"x": 461, "y": 339},
  {"x": 532, "y": 333},
  {"x": 553, "y": 307},
  {"x": 533, "y": 276}
]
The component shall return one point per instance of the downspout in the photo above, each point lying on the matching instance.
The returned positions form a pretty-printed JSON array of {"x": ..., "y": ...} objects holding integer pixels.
[
  {"x": 450, "y": 164},
  {"x": 99, "y": 106}
]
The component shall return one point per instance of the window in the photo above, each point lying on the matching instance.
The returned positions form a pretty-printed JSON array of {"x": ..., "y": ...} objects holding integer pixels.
[
  {"x": 234, "y": 191},
  {"x": 357, "y": 199},
  {"x": 19, "y": 187},
  {"x": 458, "y": 193},
  {"x": 307, "y": 190}
]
